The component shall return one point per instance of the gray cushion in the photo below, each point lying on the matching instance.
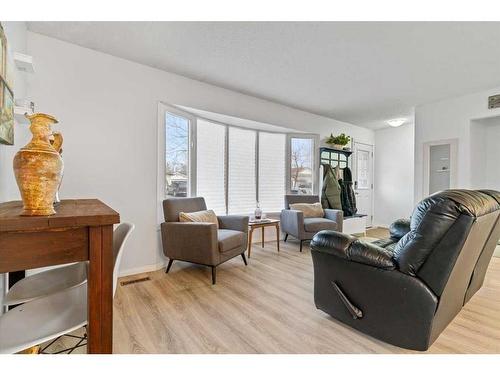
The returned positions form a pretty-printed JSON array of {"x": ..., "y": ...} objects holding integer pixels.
[
  {"x": 315, "y": 224},
  {"x": 229, "y": 239}
]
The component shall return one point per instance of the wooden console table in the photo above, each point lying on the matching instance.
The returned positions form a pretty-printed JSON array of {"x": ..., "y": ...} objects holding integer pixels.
[{"x": 82, "y": 229}]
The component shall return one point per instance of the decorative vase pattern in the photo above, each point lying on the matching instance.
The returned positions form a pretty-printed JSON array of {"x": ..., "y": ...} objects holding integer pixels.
[{"x": 38, "y": 167}]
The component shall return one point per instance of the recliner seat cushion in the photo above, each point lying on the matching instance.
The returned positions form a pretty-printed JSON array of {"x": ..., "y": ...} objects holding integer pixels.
[
  {"x": 316, "y": 224},
  {"x": 229, "y": 239}
]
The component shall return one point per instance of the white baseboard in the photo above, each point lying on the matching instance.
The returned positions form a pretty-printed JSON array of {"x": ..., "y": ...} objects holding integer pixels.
[{"x": 134, "y": 271}]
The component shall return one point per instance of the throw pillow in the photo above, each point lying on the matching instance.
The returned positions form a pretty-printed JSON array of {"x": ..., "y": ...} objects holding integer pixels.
[
  {"x": 309, "y": 209},
  {"x": 207, "y": 216}
]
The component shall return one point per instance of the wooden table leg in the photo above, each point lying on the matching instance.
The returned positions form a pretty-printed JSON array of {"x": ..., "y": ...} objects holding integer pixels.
[
  {"x": 263, "y": 228},
  {"x": 100, "y": 290},
  {"x": 250, "y": 241},
  {"x": 278, "y": 236}
]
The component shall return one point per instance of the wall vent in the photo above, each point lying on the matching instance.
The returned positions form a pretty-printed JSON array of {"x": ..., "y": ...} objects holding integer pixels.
[
  {"x": 128, "y": 282},
  {"x": 494, "y": 102}
]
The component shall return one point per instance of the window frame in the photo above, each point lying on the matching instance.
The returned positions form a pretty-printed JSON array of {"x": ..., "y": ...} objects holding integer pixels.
[
  {"x": 163, "y": 109},
  {"x": 315, "y": 160}
]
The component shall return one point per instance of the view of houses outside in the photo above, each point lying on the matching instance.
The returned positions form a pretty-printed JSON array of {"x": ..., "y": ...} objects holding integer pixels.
[
  {"x": 176, "y": 159},
  {"x": 301, "y": 172}
]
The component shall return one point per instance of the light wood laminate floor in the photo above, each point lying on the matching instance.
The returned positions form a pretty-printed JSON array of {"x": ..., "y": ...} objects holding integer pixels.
[{"x": 268, "y": 307}]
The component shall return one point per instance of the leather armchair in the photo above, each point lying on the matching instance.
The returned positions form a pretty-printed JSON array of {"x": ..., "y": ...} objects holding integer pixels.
[
  {"x": 294, "y": 223},
  {"x": 201, "y": 243},
  {"x": 406, "y": 289}
]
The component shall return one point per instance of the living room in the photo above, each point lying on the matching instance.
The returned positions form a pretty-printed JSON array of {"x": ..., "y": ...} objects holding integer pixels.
[{"x": 203, "y": 187}]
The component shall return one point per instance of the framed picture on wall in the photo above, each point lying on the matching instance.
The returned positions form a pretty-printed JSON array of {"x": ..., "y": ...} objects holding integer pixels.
[
  {"x": 3, "y": 52},
  {"x": 6, "y": 114},
  {"x": 6, "y": 93}
]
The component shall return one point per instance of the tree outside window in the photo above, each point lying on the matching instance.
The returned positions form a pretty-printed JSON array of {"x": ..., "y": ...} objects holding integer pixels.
[
  {"x": 301, "y": 171},
  {"x": 176, "y": 156}
]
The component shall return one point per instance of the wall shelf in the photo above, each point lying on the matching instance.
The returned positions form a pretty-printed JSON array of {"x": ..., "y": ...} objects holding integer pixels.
[
  {"x": 19, "y": 114},
  {"x": 24, "y": 63}
]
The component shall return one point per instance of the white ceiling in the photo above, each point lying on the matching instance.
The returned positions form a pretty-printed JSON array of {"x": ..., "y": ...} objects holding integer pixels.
[{"x": 359, "y": 72}]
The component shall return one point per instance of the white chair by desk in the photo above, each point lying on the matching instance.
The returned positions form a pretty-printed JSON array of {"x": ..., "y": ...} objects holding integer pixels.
[{"x": 51, "y": 316}]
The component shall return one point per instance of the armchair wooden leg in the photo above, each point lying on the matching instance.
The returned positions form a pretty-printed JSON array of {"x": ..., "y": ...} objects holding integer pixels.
[
  {"x": 169, "y": 265},
  {"x": 301, "y": 245},
  {"x": 244, "y": 259},
  {"x": 286, "y": 237},
  {"x": 214, "y": 275}
]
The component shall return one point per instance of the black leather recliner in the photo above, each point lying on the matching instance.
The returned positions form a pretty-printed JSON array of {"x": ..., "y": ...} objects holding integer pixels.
[{"x": 406, "y": 289}]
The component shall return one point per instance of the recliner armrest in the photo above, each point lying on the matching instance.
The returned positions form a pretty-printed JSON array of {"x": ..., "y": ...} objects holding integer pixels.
[
  {"x": 350, "y": 248},
  {"x": 399, "y": 228}
]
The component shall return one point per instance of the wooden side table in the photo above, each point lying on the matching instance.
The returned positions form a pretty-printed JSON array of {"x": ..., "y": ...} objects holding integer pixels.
[
  {"x": 269, "y": 223},
  {"x": 82, "y": 229}
]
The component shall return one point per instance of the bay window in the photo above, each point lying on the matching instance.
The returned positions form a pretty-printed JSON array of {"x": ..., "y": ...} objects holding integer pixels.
[{"x": 232, "y": 167}]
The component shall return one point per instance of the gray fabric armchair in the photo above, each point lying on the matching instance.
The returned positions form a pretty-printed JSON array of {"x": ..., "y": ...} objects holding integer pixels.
[
  {"x": 304, "y": 229},
  {"x": 201, "y": 243}
]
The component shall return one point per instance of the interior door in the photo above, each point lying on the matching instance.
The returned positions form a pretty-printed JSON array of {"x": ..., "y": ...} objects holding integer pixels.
[{"x": 363, "y": 180}]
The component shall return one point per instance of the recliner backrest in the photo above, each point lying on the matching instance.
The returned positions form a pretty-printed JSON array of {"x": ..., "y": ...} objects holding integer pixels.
[
  {"x": 439, "y": 228},
  {"x": 173, "y": 206}
]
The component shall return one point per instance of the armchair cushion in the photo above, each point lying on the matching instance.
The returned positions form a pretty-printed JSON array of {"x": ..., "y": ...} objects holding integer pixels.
[
  {"x": 229, "y": 239},
  {"x": 205, "y": 216},
  {"x": 350, "y": 248},
  {"x": 316, "y": 224},
  {"x": 309, "y": 209}
]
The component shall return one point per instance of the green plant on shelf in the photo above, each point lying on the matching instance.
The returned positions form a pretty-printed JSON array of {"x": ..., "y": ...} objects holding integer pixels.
[{"x": 339, "y": 140}]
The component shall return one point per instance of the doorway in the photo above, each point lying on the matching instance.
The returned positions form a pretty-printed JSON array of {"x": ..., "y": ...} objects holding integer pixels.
[
  {"x": 439, "y": 169},
  {"x": 363, "y": 180},
  {"x": 440, "y": 165}
]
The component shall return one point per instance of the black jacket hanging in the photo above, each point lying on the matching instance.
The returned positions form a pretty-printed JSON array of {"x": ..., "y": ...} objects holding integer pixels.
[{"x": 347, "y": 196}]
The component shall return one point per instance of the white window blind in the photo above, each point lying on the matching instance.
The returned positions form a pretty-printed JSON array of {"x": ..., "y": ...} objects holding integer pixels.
[
  {"x": 241, "y": 171},
  {"x": 272, "y": 169},
  {"x": 210, "y": 156}
]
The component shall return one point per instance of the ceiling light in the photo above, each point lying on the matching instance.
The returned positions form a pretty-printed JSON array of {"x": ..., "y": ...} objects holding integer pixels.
[{"x": 396, "y": 122}]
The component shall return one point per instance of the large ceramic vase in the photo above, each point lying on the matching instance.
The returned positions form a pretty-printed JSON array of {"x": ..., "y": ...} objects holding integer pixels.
[{"x": 38, "y": 167}]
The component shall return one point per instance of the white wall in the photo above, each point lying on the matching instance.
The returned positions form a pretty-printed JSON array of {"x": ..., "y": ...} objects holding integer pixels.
[
  {"x": 450, "y": 119},
  {"x": 393, "y": 184},
  {"x": 107, "y": 108},
  {"x": 16, "y": 39}
]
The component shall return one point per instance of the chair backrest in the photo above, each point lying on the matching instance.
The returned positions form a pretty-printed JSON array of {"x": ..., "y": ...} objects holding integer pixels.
[
  {"x": 173, "y": 206},
  {"x": 120, "y": 235},
  {"x": 441, "y": 227},
  {"x": 297, "y": 198}
]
